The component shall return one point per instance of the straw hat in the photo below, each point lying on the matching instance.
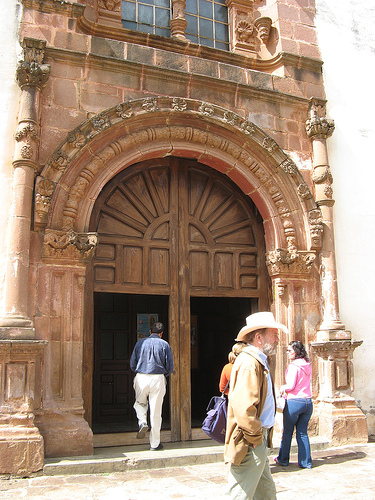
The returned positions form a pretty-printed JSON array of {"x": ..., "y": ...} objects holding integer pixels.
[{"x": 257, "y": 321}]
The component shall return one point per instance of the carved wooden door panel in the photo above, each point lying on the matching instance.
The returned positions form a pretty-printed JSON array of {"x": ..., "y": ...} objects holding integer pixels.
[{"x": 174, "y": 227}]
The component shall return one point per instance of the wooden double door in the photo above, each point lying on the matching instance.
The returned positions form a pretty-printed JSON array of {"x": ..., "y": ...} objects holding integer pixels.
[{"x": 176, "y": 229}]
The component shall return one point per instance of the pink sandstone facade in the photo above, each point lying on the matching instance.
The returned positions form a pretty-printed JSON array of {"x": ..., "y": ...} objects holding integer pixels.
[{"x": 96, "y": 99}]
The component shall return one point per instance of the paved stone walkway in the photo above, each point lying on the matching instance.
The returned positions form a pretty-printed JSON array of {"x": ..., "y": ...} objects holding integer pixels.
[{"x": 337, "y": 473}]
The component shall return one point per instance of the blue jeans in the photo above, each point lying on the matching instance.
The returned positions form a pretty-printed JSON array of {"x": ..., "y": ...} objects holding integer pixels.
[{"x": 297, "y": 413}]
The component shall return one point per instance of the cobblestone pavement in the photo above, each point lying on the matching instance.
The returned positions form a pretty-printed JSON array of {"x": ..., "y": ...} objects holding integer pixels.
[{"x": 337, "y": 473}]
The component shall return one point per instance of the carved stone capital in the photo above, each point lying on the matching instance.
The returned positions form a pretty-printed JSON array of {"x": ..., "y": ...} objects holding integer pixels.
[
  {"x": 69, "y": 245},
  {"x": 317, "y": 127},
  {"x": 31, "y": 71},
  {"x": 335, "y": 350},
  {"x": 281, "y": 261},
  {"x": 263, "y": 25}
]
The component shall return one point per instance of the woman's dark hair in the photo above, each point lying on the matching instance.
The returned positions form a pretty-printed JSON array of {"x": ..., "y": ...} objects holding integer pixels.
[{"x": 299, "y": 349}]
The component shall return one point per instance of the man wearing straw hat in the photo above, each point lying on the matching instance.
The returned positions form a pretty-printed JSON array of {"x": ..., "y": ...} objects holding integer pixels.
[{"x": 251, "y": 411}]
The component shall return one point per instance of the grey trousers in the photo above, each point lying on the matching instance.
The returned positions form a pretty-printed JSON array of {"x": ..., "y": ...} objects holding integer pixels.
[{"x": 252, "y": 479}]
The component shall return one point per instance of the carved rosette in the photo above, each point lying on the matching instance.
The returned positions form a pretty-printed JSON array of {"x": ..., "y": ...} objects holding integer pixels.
[
  {"x": 69, "y": 245},
  {"x": 281, "y": 261},
  {"x": 27, "y": 138},
  {"x": 244, "y": 30}
]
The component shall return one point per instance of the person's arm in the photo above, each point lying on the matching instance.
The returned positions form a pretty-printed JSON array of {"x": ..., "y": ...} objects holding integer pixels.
[
  {"x": 134, "y": 358},
  {"x": 169, "y": 365},
  {"x": 290, "y": 379},
  {"x": 225, "y": 377},
  {"x": 245, "y": 398},
  {"x": 223, "y": 380}
]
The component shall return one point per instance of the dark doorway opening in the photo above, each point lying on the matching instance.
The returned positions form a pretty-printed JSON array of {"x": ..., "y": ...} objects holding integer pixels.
[
  {"x": 116, "y": 330},
  {"x": 215, "y": 323}
]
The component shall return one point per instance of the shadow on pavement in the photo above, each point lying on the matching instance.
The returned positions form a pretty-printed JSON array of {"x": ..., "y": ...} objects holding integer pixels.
[{"x": 319, "y": 460}]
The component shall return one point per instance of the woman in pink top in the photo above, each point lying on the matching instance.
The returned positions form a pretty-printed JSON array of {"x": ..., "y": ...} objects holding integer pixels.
[{"x": 298, "y": 407}]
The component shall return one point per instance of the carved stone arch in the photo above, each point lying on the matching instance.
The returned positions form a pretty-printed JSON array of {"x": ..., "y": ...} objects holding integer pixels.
[{"x": 156, "y": 127}]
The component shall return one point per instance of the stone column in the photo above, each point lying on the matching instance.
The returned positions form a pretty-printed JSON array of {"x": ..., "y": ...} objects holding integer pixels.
[
  {"x": 178, "y": 21},
  {"x": 339, "y": 418},
  {"x": 21, "y": 444},
  {"x": 32, "y": 76},
  {"x": 319, "y": 129}
]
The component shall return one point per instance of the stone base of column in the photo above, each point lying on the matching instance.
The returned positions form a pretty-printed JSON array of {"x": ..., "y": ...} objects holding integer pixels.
[
  {"x": 65, "y": 433},
  {"x": 327, "y": 335},
  {"x": 17, "y": 333},
  {"x": 341, "y": 421},
  {"x": 21, "y": 445}
]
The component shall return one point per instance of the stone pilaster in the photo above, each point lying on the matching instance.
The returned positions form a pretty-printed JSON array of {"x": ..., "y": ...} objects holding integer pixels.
[
  {"x": 32, "y": 76},
  {"x": 21, "y": 444},
  {"x": 242, "y": 27}
]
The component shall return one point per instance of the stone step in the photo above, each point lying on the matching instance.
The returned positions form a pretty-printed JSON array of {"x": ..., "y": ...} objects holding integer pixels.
[{"x": 140, "y": 457}]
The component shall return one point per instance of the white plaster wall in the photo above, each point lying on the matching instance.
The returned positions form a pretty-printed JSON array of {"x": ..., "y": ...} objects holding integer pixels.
[
  {"x": 10, "y": 53},
  {"x": 346, "y": 37}
]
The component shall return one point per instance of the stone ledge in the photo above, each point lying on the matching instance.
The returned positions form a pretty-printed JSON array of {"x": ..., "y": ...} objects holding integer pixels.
[{"x": 131, "y": 458}]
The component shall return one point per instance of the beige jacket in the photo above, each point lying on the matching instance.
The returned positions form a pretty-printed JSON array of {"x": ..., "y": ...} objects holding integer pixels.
[{"x": 247, "y": 395}]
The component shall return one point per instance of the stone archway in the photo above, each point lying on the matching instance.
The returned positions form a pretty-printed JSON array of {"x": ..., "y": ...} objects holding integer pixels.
[{"x": 107, "y": 144}]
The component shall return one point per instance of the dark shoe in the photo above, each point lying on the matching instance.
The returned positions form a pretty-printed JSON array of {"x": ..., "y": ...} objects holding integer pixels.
[
  {"x": 143, "y": 428},
  {"x": 159, "y": 447}
]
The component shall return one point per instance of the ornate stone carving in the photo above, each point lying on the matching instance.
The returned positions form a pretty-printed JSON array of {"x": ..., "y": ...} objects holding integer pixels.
[
  {"x": 289, "y": 167},
  {"x": 112, "y": 5},
  {"x": 124, "y": 110},
  {"x": 150, "y": 104},
  {"x": 328, "y": 191},
  {"x": 263, "y": 25},
  {"x": 281, "y": 261},
  {"x": 77, "y": 139},
  {"x": 304, "y": 191},
  {"x": 59, "y": 161},
  {"x": 230, "y": 117},
  {"x": 245, "y": 31},
  {"x": 248, "y": 128},
  {"x": 269, "y": 144},
  {"x": 326, "y": 176},
  {"x": 43, "y": 194},
  {"x": 100, "y": 122},
  {"x": 206, "y": 109},
  {"x": 31, "y": 71},
  {"x": 69, "y": 245},
  {"x": 317, "y": 127},
  {"x": 316, "y": 227},
  {"x": 179, "y": 104}
]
